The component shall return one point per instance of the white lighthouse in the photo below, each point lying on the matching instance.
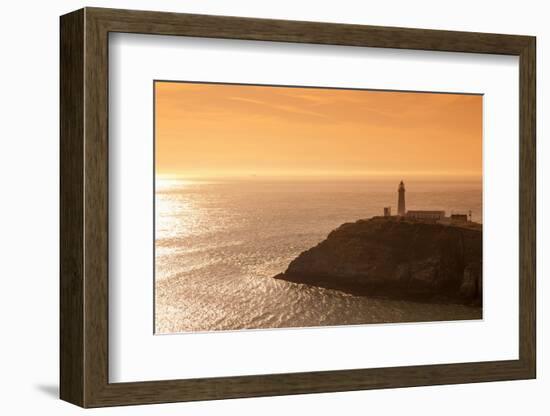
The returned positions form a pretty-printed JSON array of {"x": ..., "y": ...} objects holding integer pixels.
[{"x": 401, "y": 199}]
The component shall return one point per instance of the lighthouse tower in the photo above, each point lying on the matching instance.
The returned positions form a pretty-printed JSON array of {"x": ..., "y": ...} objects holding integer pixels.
[{"x": 401, "y": 199}]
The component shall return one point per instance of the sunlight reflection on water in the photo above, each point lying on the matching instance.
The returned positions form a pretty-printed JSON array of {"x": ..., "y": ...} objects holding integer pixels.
[{"x": 218, "y": 245}]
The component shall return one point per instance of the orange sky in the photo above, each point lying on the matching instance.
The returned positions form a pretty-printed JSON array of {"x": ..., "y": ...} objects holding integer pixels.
[{"x": 217, "y": 130}]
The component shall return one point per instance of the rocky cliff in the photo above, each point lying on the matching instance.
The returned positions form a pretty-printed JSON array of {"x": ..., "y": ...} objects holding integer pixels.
[{"x": 396, "y": 258}]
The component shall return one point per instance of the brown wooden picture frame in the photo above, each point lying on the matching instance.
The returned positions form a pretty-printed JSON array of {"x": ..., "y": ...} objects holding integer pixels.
[{"x": 84, "y": 213}]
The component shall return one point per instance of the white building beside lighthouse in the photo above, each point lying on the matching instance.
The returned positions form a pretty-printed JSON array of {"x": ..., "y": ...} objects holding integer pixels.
[{"x": 421, "y": 215}]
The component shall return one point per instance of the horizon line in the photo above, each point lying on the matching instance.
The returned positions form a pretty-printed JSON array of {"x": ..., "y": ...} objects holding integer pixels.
[
  {"x": 323, "y": 173},
  {"x": 293, "y": 175}
]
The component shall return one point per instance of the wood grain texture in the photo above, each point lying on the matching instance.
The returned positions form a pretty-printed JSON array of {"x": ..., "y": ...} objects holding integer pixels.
[
  {"x": 96, "y": 219},
  {"x": 71, "y": 203},
  {"x": 527, "y": 207},
  {"x": 84, "y": 207},
  {"x": 225, "y": 27}
]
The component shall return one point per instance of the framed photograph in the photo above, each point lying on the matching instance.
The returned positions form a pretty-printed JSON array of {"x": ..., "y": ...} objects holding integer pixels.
[{"x": 255, "y": 207}]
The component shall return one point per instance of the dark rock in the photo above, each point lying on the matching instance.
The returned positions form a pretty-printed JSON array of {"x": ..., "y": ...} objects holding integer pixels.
[{"x": 396, "y": 258}]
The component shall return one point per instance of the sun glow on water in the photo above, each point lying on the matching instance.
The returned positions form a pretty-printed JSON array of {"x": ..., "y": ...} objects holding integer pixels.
[{"x": 167, "y": 183}]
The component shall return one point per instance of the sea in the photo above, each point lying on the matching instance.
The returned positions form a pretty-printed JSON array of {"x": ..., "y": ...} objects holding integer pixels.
[{"x": 218, "y": 244}]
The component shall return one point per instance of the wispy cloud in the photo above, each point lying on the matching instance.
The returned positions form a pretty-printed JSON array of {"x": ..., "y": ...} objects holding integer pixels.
[{"x": 280, "y": 107}]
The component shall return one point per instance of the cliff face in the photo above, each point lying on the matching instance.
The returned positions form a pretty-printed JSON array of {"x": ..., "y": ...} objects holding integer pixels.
[{"x": 396, "y": 258}]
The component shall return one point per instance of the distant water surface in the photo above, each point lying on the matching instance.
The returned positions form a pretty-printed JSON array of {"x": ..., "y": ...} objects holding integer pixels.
[{"x": 218, "y": 245}]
